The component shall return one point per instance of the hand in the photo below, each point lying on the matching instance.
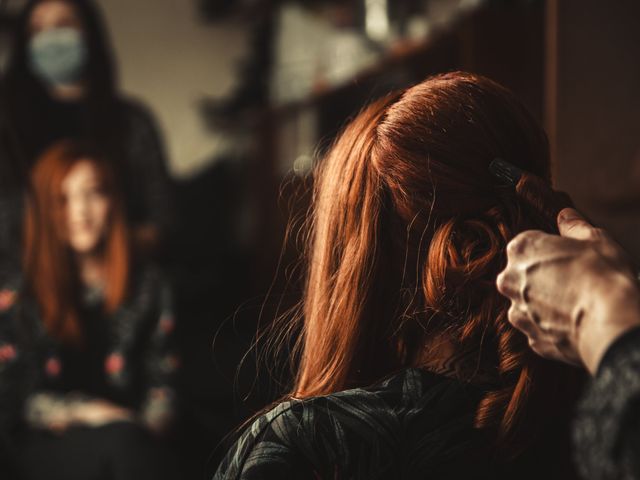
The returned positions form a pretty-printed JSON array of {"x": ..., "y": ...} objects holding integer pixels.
[
  {"x": 99, "y": 412},
  {"x": 572, "y": 295},
  {"x": 157, "y": 413}
]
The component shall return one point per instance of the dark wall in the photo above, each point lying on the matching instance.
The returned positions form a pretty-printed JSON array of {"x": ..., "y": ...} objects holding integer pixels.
[{"x": 597, "y": 112}]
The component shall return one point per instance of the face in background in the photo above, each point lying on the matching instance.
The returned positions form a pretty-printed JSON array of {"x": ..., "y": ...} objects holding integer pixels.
[
  {"x": 86, "y": 208},
  {"x": 57, "y": 49},
  {"x": 52, "y": 14}
]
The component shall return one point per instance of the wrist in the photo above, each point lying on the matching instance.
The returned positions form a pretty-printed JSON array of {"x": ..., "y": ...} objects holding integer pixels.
[{"x": 613, "y": 310}]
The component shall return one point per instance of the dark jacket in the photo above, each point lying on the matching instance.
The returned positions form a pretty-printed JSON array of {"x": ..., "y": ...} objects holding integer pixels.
[
  {"x": 607, "y": 427},
  {"x": 415, "y": 425}
]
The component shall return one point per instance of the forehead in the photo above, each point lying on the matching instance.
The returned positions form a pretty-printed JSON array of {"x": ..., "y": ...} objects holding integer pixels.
[
  {"x": 82, "y": 174},
  {"x": 50, "y": 11}
]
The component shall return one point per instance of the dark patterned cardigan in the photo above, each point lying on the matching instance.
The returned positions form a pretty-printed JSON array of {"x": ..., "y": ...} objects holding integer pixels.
[{"x": 140, "y": 362}]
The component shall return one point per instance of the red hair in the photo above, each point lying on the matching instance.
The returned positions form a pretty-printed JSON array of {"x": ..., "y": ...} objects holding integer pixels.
[
  {"x": 408, "y": 233},
  {"x": 51, "y": 274}
]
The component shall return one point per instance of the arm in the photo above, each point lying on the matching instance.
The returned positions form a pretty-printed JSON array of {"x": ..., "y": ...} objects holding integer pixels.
[
  {"x": 577, "y": 299},
  {"x": 11, "y": 209},
  {"x": 607, "y": 427},
  {"x": 57, "y": 411},
  {"x": 161, "y": 363},
  {"x": 12, "y": 362},
  {"x": 12, "y": 191},
  {"x": 571, "y": 295},
  {"x": 149, "y": 162},
  {"x": 263, "y": 451}
]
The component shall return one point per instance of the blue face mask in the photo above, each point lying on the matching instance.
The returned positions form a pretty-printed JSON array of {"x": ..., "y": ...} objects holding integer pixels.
[{"x": 58, "y": 56}]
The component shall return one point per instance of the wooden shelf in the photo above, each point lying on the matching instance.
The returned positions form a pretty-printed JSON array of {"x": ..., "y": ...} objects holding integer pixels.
[{"x": 397, "y": 55}]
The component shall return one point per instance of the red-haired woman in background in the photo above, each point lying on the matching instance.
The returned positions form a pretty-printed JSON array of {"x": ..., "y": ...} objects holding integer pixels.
[
  {"x": 85, "y": 349},
  {"x": 407, "y": 365}
]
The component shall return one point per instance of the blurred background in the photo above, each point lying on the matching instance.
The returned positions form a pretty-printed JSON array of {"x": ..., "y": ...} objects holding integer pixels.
[{"x": 247, "y": 94}]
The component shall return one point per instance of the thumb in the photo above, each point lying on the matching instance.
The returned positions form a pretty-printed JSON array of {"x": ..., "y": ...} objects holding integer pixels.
[{"x": 573, "y": 225}]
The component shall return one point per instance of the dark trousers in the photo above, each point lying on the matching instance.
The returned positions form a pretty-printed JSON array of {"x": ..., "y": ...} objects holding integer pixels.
[{"x": 118, "y": 451}]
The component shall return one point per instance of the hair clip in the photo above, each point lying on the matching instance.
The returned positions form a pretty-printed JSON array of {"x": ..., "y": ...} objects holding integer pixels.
[{"x": 505, "y": 171}]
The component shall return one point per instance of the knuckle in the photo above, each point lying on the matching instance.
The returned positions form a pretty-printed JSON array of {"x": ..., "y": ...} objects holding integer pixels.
[
  {"x": 508, "y": 283},
  {"x": 516, "y": 318},
  {"x": 596, "y": 234},
  {"x": 517, "y": 245},
  {"x": 542, "y": 348},
  {"x": 512, "y": 315},
  {"x": 609, "y": 250},
  {"x": 502, "y": 282},
  {"x": 523, "y": 242}
]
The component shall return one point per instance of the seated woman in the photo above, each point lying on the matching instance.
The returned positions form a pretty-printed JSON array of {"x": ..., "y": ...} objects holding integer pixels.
[
  {"x": 86, "y": 358},
  {"x": 407, "y": 365}
]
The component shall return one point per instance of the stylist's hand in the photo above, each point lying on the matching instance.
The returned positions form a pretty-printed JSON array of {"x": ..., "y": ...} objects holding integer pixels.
[{"x": 572, "y": 295}]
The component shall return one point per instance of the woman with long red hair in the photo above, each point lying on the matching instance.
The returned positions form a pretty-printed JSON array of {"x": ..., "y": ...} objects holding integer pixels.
[
  {"x": 85, "y": 348},
  {"x": 406, "y": 364}
]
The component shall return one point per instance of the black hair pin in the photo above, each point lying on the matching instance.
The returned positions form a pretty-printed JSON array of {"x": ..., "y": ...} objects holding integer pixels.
[
  {"x": 505, "y": 171},
  {"x": 544, "y": 202}
]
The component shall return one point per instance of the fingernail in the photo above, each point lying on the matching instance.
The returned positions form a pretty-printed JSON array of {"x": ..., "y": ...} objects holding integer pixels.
[{"x": 568, "y": 214}]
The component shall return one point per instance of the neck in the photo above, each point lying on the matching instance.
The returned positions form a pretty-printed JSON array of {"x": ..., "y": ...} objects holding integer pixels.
[
  {"x": 68, "y": 93},
  {"x": 91, "y": 269}
]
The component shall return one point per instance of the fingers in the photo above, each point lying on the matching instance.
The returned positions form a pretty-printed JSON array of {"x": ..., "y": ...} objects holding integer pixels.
[
  {"x": 508, "y": 283},
  {"x": 57, "y": 427},
  {"x": 521, "y": 250},
  {"x": 529, "y": 324},
  {"x": 550, "y": 344},
  {"x": 510, "y": 279},
  {"x": 538, "y": 340},
  {"x": 573, "y": 225},
  {"x": 531, "y": 244},
  {"x": 522, "y": 242},
  {"x": 520, "y": 319},
  {"x": 569, "y": 352}
]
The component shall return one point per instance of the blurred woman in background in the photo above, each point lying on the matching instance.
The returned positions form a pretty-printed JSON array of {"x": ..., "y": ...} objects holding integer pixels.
[
  {"x": 60, "y": 82},
  {"x": 85, "y": 334},
  {"x": 408, "y": 366}
]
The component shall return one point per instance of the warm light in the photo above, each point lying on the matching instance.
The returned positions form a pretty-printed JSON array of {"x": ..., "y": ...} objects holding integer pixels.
[{"x": 376, "y": 19}]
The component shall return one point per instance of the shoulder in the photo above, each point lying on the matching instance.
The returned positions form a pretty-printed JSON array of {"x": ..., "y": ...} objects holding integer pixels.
[
  {"x": 12, "y": 292},
  {"x": 137, "y": 113},
  {"x": 8, "y": 299},
  {"x": 347, "y": 430},
  {"x": 262, "y": 445},
  {"x": 361, "y": 410},
  {"x": 270, "y": 446},
  {"x": 144, "y": 140}
]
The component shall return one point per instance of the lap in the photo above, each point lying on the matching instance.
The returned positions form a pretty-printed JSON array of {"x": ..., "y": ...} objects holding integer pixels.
[{"x": 121, "y": 451}]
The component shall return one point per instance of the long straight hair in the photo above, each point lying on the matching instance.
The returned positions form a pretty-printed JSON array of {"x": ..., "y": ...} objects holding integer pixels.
[
  {"x": 51, "y": 274},
  {"x": 408, "y": 233}
]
